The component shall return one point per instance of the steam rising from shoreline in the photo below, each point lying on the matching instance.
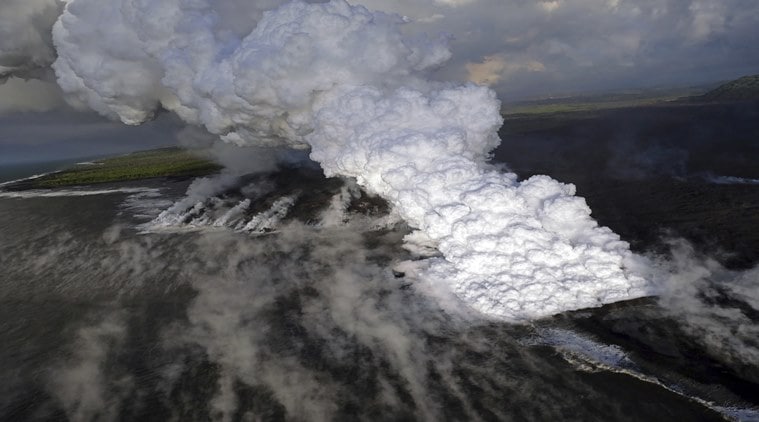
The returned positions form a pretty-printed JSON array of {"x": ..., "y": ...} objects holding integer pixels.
[{"x": 350, "y": 85}]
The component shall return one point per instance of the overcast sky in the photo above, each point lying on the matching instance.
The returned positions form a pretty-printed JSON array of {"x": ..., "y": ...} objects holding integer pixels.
[
  {"x": 534, "y": 48},
  {"x": 57, "y": 135},
  {"x": 521, "y": 48}
]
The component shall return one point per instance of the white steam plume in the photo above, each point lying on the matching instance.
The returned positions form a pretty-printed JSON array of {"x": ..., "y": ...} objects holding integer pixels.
[{"x": 349, "y": 84}]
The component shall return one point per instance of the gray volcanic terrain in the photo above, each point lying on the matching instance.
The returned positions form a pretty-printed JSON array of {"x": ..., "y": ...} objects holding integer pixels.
[{"x": 281, "y": 297}]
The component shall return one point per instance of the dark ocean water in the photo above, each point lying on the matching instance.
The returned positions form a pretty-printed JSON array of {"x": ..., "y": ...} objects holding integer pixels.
[
  {"x": 104, "y": 319},
  {"x": 16, "y": 171},
  {"x": 11, "y": 172},
  {"x": 276, "y": 299}
]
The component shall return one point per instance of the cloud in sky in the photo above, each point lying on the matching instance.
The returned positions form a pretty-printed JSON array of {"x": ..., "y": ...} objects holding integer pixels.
[
  {"x": 521, "y": 49},
  {"x": 25, "y": 39},
  {"x": 493, "y": 69},
  {"x": 18, "y": 95},
  {"x": 584, "y": 45},
  {"x": 63, "y": 134},
  {"x": 580, "y": 45},
  {"x": 454, "y": 3}
]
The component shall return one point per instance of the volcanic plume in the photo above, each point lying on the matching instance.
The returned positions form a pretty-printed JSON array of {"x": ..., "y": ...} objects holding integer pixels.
[{"x": 352, "y": 85}]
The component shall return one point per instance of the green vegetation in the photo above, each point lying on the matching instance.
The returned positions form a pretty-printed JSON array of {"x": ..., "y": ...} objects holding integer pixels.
[
  {"x": 593, "y": 103},
  {"x": 139, "y": 165},
  {"x": 573, "y": 107},
  {"x": 554, "y": 113},
  {"x": 745, "y": 88}
]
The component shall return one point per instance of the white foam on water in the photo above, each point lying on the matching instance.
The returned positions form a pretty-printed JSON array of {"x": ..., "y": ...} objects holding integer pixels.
[
  {"x": 36, "y": 176},
  {"x": 38, "y": 193},
  {"x": 731, "y": 180},
  {"x": 587, "y": 354},
  {"x": 740, "y": 414},
  {"x": 572, "y": 343}
]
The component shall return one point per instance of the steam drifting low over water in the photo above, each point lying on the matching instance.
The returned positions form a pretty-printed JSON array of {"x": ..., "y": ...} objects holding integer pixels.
[{"x": 136, "y": 315}]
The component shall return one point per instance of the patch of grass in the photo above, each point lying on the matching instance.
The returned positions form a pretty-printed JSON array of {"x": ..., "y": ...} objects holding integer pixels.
[
  {"x": 600, "y": 102},
  {"x": 552, "y": 114},
  {"x": 139, "y": 165},
  {"x": 585, "y": 105}
]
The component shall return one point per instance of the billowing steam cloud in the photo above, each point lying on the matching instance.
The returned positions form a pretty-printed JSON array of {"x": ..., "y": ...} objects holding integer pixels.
[
  {"x": 350, "y": 84},
  {"x": 512, "y": 250}
]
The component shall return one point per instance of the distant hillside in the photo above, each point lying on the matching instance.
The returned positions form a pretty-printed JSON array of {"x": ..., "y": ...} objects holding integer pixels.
[
  {"x": 605, "y": 101},
  {"x": 745, "y": 88}
]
